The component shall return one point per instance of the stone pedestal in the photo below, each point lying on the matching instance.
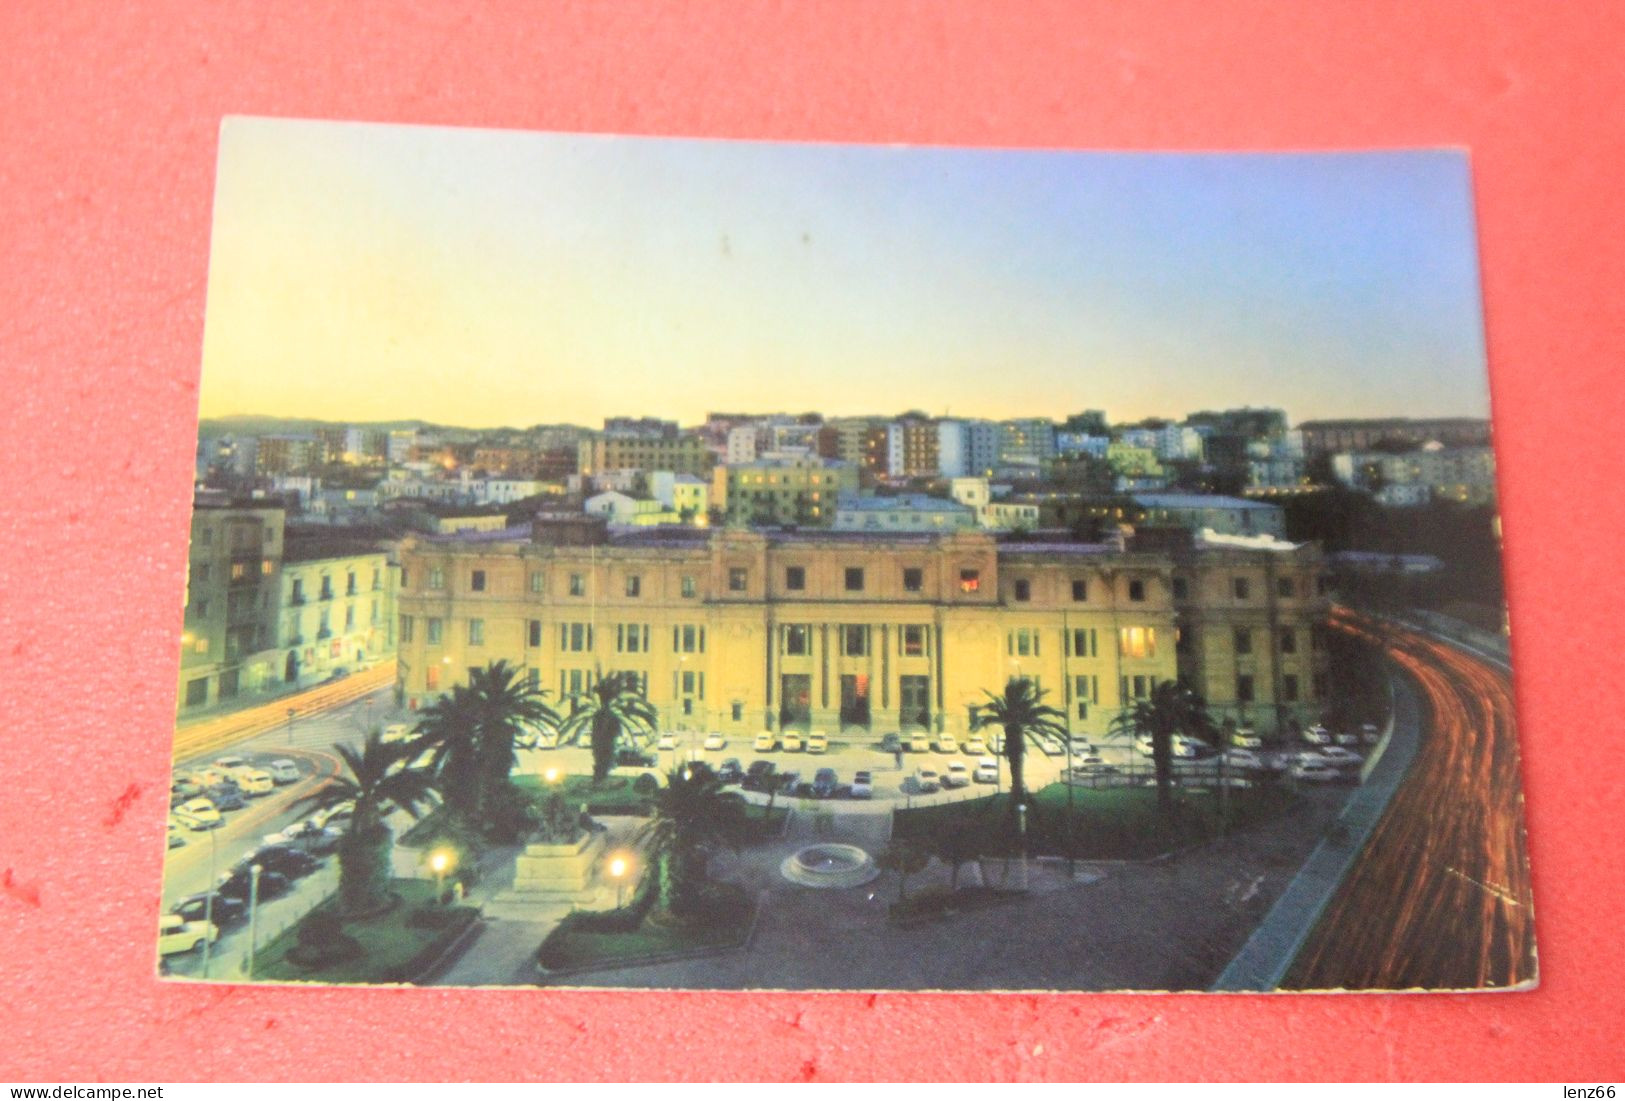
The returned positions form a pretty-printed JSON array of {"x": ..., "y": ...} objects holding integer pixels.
[{"x": 547, "y": 877}]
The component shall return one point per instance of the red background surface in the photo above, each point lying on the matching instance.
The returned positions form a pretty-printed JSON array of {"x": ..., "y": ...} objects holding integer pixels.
[{"x": 109, "y": 119}]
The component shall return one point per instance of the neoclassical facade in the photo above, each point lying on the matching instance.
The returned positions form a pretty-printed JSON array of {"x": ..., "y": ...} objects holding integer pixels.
[{"x": 737, "y": 631}]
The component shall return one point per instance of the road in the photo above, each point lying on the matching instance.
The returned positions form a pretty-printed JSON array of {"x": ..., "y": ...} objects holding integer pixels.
[
  {"x": 340, "y": 712},
  {"x": 1440, "y": 898}
]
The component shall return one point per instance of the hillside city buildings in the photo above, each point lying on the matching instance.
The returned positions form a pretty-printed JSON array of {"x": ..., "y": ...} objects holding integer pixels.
[{"x": 855, "y": 573}]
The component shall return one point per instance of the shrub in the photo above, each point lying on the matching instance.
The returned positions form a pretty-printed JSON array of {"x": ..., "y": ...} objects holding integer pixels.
[{"x": 323, "y": 941}]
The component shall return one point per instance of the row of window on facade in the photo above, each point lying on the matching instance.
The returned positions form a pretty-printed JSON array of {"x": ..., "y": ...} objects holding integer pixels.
[{"x": 296, "y": 594}]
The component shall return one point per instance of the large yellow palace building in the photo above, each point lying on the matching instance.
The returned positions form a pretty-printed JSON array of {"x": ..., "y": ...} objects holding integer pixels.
[{"x": 737, "y": 631}]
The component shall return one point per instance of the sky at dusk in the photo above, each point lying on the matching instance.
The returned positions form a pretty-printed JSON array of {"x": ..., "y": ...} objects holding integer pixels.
[{"x": 484, "y": 278}]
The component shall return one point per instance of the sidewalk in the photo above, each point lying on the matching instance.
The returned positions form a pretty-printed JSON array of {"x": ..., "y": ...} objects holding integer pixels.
[{"x": 1264, "y": 960}]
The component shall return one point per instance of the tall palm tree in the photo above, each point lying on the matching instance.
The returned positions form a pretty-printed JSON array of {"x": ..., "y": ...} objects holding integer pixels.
[
  {"x": 376, "y": 780},
  {"x": 613, "y": 708},
  {"x": 1171, "y": 709},
  {"x": 693, "y": 816},
  {"x": 1022, "y": 715},
  {"x": 473, "y": 731}
]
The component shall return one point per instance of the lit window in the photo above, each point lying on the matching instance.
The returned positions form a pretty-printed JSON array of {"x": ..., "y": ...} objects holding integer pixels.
[
  {"x": 970, "y": 581},
  {"x": 1137, "y": 642}
]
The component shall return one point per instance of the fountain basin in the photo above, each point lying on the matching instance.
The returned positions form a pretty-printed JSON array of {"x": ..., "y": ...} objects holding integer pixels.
[{"x": 830, "y": 865}]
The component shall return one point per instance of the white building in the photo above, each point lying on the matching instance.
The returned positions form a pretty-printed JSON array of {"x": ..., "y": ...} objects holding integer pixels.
[
  {"x": 741, "y": 445},
  {"x": 683, "y": 494}
]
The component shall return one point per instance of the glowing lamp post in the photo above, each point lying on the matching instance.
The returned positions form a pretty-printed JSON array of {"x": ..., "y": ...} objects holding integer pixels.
[
  {"x": 1021, "y": 820},
  {"x": 617, "y": 872},
  {"x": 440, "y": 861}
]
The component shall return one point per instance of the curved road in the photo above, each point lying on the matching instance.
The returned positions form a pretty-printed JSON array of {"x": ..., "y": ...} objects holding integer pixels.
[{"x": 1440, "y": 897}]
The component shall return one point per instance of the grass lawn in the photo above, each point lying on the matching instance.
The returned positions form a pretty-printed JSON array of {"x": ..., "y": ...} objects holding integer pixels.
[
  {"x": 575, "y": 945},
  {"x": 1109, "y": 823},
  {"x": 614, "y": 796},
  {"x": 395, "y": 950}
]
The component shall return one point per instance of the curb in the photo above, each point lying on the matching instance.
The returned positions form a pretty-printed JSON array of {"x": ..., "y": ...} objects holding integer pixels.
[{"x": 662, "y": 957}]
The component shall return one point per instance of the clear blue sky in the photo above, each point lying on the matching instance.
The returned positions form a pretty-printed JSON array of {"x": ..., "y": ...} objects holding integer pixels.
[{"x": 486, "y": 277}]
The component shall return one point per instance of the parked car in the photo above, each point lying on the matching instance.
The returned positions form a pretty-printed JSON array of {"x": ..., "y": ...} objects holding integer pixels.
[
  {"x": 792, "y": 741},
  {"x": 183, "y": 788},
  {"x": 788, "y": 781},
  {"x": 891, "y": 742},
  {"x": 1337, "y": 755},
  {"x": 198, "y": 814},
  {"x": 236, "y": 884},
  {"x": 254, "y": 781},
  {"x": 283, "y": 771},
  {"x": 974, "y": 746},
  {"x": 825, "y": 783},
  {"x": 760, "y": 777},
  {"x": 987, "y": 771},
  {"x": 336, "y": 815},
  {"x": 766, "y": 742},
  {"x": 176, "y": 838},
  {"x": 308, "y": 837},
  {"x": 1346, "y": 738},
  {"x": 919, "y": 743},
  {"x": 926, "y": 780},
  {"x": 1246, "y": 759},
  {"x": 667, "y": 740},
  {"x": 947, "y": 744},
  {"x": 715, "y": 741},
  {"x": 231, "y": 764},
  {"x": 208, "y": 777},
  {"x": 222, "y": 911},
  {"x": 1317, "y": 735},
  {"x": 630, "y": 757},
  {"x": 1315, "y": 771},
  {"x": 1050, "y": 746},
  {"x": 956, "y": 775},
  {"x": 1245, "y": 737},
  {"x": 1188, "y": 749},
  {"x": 863, "y": 785},
  {"x": 1091, "y": 764},
  {"x": 818, "y": 742},
  {"x": 730, "y": 772},
  {"x": 227, "y": 797},
  {"x": 176, "y": 934},
  {"x": 283, "y": 859},
  {"x": 1145, "y": 745},
  {"x": 396, "y": 732}
]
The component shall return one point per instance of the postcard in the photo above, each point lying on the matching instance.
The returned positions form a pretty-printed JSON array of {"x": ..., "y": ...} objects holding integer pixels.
[{"x": 682, "y": 564}]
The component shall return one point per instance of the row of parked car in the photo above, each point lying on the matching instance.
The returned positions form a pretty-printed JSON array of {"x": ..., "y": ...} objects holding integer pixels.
[
  {"x": 199, "y": 797},
  {"x": 283, "y": 858}
]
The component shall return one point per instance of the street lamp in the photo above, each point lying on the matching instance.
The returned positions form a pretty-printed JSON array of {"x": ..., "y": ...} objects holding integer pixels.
[
  {"x": 208, "y": 906},
  {"x": 617, "y": 871},
  {"x": 1021, "y": 820},
  {"x": 253, "y": 914},
  {"x": 551, "y": 775},
  {"x": 441, "y": 861}
]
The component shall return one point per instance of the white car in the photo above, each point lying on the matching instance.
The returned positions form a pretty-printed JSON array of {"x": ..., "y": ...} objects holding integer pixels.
[
  {"x": 1145, "y": 745},
  {"x": 975, "y": 747},
  {"x": 254, "y": 781},
  {"x": 327, "y": 816},
  {"x": 917, "y": 743},
  {"x": 987, "y": 771},
  {"x": 228, "y": 765},
  {"x": 176, "y": 934},
  {"x": 1245, "y": 737},
  {"x": 1318, "y": 735},
  {"x": 198, "y": 814},
  {"x": 946, "y": 744},
  {"x": 1245, "y": 758},
  {"x": 666, "y": 741},
  {"x": 1346, "y": 738},
  {"x": 715, "y": 741},
  {"x": 766, "y": 741},
  {"x": 1337, "y": 755},
  {"x": 926, "y": 780},
  {"x": 1091, "y": 764},
  {"x": 396, "y": 732},
  {"x": 863, "y": 785},
  {"x": 1316, "y": 771},
  {"x": 1188, "y": 748},
  {"x": 793, "y": 742},
  {"x": 956, "y": 775},
  {"x": 283, "y": 771},
  {"x": 818, "y": 742}
]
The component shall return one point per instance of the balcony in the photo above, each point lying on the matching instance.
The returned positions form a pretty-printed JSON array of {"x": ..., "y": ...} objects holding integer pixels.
[{"x": 325, "y": 594}]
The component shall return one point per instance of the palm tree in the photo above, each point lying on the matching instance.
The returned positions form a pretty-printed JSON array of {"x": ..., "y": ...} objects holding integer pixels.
[
  {"x": 613, "y": 708},
  {"x": 1021, "y": 714},
  {"x": 473, "y": 731},
  {"x": 906, "y": 858},
  {"x": 1170, "y": 709},
  {"x": 376, "y": 781},
  {"x": 693, "y": 816}
]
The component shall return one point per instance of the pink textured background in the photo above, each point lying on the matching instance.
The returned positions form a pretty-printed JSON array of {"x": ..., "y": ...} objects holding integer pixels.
[{"x": 109, "y": 119}]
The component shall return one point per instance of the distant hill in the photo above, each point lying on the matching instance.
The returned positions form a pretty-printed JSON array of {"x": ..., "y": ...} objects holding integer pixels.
[{"x": 252, "y": 424}]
